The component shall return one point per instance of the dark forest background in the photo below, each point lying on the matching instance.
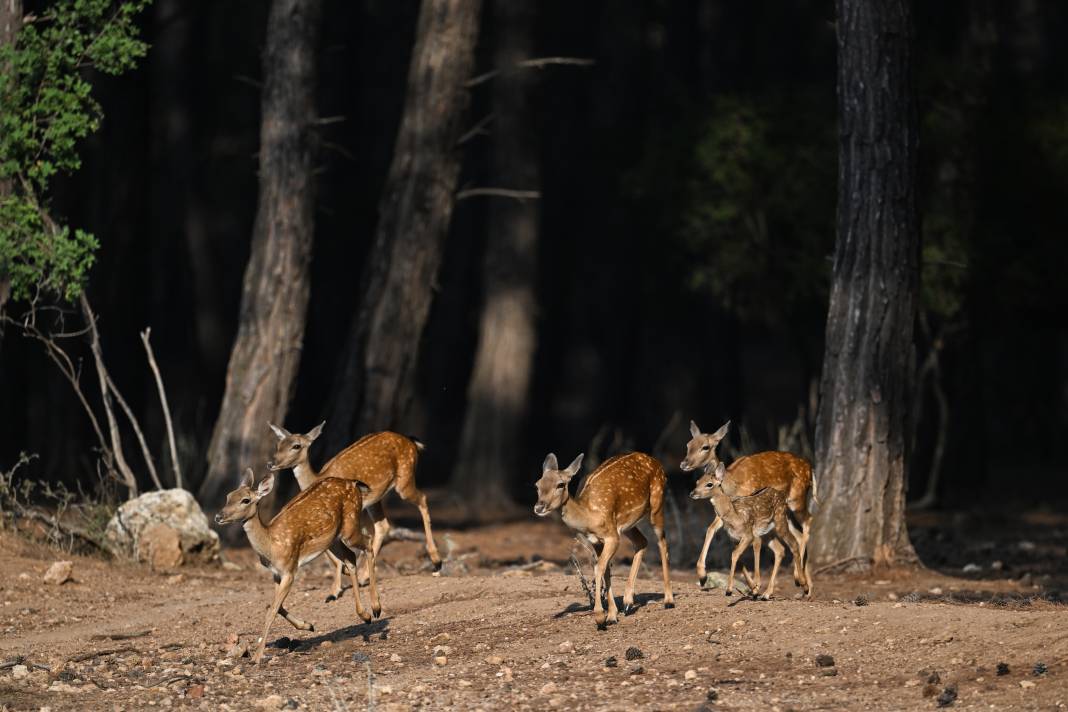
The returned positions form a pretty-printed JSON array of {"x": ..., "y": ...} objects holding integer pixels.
[{"x": 685, "y": 228}]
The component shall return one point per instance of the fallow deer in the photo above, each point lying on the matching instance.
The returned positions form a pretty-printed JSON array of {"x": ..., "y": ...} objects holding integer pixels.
[
  {"x": 306, "y": 527},
  {"x": 384, "y": 461},
  {"x": 614, "y": 498},
  {"x": 784, "y": 471},
  {"x": 748, "y": 519}
]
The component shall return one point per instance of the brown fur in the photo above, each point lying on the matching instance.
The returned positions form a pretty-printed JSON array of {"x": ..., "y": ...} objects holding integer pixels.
[
  {"x": 384, "y": 461},
  {"x": 306, "y": 527},
  {"x": 614, "y": 498}
]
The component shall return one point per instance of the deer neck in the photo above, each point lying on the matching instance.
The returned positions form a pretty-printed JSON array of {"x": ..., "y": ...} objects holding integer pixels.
[
  {"x": 304, "y": 472},
  {"x": 258, "y": 535},
  {"x": 576, "y": 514},
  {"x": 724, "y": 506}
]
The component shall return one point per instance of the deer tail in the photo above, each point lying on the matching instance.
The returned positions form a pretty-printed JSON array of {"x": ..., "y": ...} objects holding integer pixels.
[
  {"x": 815, "y": 487},
  {"x": 419, "y": 445}
]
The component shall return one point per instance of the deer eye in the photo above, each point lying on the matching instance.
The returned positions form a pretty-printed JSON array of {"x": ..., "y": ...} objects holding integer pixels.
[
  {"x": 296, "y": 447},
  {"x": 560, "y": 485},
  {"x": 246, "y": 500},
  {"x": 709, "y": 485},
  {"x": 706, "y": 447}
]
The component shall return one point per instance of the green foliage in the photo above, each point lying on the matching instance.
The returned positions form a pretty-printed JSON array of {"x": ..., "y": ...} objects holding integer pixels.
[
  {"x": 749, "y": 190},
  {"x": 46, "y": 108}
]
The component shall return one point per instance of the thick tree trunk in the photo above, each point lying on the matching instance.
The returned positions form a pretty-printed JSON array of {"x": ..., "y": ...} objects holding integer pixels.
[
  {"x": 861, "y": 429},
  {"x": 375, "y": 380},
  {"x": 266, "y": 352},
  {"x": 10, "y": 21},
  {"x": 492, "y": 442}
]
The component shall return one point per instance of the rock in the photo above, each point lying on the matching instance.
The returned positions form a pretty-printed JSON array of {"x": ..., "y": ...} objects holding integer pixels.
[
  {"x": 1026, "y": 684},
  {"x": 441, "y": 650},
  {"x": 271, "y": 702},
  {"x": 690, "y": 675},
  {"x": 829, "y": 671},
  {"x": 59, "y": 572},
  {"x": 494, "y": 660},
  {"x": 611, "y": 662},
  {"x": 505, "y": 673},
  {"x": 58, "y": 686},
  {"x": 1003, "y": 669},
  {"x": 566, "y": 647},
  {"x": 824, "y": 661},
  {"x": 936, "y": 591},
  {"x": 997, "y": 565},
  {"x": 441, "y": 661},
  {"x": 440, "y": 638},
  {"x": 20, "y": 671},
  {"x": 394, "y": 658},
  {"x": 715, "y": 579},
  {"x": 238, "y": 650},
  {"x": 634, "y": 654},
  {"x": 971, "y": 568},
  {"x": 548, "y": 688},
  {"x": 231, "y": 566},
  {"x": 160, "y": 546},
  {"x": 175, "y": 509},
  {"x": 712, "y": 695},
  {"x": 948, "y": 696}
]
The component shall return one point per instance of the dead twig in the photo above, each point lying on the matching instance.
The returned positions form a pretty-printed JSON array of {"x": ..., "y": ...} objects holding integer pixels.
[
  {"x": 163, "y": 403},
  {"x": 538, "y": 63},
  {"x": 137, "y": 432},
  {"x": 82, "y": 657},
  {"x": 121, "y": 636}
]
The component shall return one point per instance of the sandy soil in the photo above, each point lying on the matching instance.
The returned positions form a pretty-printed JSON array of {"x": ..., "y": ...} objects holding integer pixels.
[{"x": 517, "y": 638}]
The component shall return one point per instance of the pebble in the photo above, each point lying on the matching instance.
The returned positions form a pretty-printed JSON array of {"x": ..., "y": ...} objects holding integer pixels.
[
  {"x": 59, "y": 573},
  {"x": 440, "y": 638},
  {"x": 566, "y": 647},
  {"x": 494, "y": 659},
  {"x": 506, "y": 674},
  {"x": 20, "y": 671},
  {"x": 441, "y": 650},
  {"x": 394, "y": 658},
  {"x": 824, "y": 661},
  {"x": 548, "y": 688},
  {"x": 690, "y": 675},
  {"x": 1026, "y": 684},
  {"x": 271, "y": 702},
  {"x": 441, "y": 661}
]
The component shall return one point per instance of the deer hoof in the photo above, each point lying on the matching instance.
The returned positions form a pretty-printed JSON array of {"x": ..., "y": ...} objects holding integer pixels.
[
  {"x": 728, "y": 592},
  {"x": 669, "y": 604},
  {"x": 331, "y": 598},
  {"x": 377, "y": 611}
]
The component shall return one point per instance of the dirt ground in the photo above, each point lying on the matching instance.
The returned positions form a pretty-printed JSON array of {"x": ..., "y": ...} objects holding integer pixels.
[{"x": 519, "y": 635}]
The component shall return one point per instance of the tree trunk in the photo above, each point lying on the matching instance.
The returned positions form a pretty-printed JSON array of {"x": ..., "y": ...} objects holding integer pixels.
[
  {"x": 10, "y": 21},
  {"x": 375, "y": 380},
  {"x": 492, "y": 443},
  {"x": 266, "y": 352},
  {"x": 861, "y": 428}
]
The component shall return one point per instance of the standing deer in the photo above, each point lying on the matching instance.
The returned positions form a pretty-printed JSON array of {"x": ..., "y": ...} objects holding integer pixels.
[
  {"x": 783, "y": 471},
  {"x": 748, "y": 519},
  {"x": 615, "y": 497},
  {"x": 384, "y": 461},
  {"x": 305, "y": 528}
]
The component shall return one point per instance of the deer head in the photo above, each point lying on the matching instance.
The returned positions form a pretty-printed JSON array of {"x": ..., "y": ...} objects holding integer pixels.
[
  {"x": 291, "y": 446},
  {"x": 701, "y": 450},
  {"x": 242, "y": 502},
  {"x": 710, "y": 481},
  {"x": 552, "y": 487}
]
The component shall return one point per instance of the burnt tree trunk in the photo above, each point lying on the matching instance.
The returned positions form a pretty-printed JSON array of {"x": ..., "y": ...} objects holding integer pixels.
[
  {"x": 492, "y": 442},
  {"x": 10, "y": 21},
  {"x": 862, "y": 428},
  {"x": 376, "y": 374},
  {"x": 266, "y": 351}
]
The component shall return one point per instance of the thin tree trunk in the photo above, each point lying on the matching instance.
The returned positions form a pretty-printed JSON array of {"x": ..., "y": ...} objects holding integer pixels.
[
  {"x": 10, "y": 21},
  {"x": 266, "y": 352},
  {"x": 375, "y": 380},
  {"x": 862, "y": 428},
  {"x": 492, "y": 443}
]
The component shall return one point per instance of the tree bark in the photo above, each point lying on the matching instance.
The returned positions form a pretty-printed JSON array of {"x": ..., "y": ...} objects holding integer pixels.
[
  {"x": 378, "y": 364},
  {"x": 10, "y": 22},
  {"x": 492, "y": 443},
  {"x": 266, "y": 352},
  {"x": 861, "y": 428}
]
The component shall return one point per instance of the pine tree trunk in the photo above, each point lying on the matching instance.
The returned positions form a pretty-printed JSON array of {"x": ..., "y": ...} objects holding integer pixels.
[
  {"x": 375, "y": 379},
  {"x": 492, "y": 443},
  {"x": 861, "y": 428},
  {"x": 266, "y": 352}
]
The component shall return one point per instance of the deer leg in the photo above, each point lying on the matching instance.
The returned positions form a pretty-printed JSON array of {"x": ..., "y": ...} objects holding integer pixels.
[
  {"x": 799, "y": 506},
  {"x": 338, "y": 588},
  {"x": 786, "y": 532},
  {"x": 757, "y": 543},
  {"x": 613, "y": 611},
  {"x": 380, "y": 525},
  {"x": 280, "y": 594},
  {"x": 776, "y": 548},
  {"x": 709, "y": 533},
  {"x": 742, "y": 544},
  {"x": 640, "y": 543},
  {"x": 410, "y": 493},
  {"x": 608, "y": 550},
  {"x": 294, "y": 621}
]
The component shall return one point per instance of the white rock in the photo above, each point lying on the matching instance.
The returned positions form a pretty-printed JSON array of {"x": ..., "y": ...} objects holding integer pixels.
[
  {"x": 59, "y": 572},
  {"x": 20, "y": 671},
  {"x": 691, "y": 675},
  {"x": 174, "y": 508}
]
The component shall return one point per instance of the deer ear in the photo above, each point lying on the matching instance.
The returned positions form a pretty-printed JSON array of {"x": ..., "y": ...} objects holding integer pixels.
[
  {"x": 694, "y": 430},
  {"x": 248, "y": 478},
  {"x": 280, "y": 433},
  {"x": 575, "y": 465},
  {"x": 721, "y": 470},
  {"x": 315, "y": 432},
  {"x": 550, "y": 463},
  {"x": 265, "y": 486},
  {"x": 722, "y": 432}
]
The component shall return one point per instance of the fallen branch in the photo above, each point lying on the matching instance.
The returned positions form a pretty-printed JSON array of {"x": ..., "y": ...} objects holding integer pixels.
[
  {"x": 582, "y": 579},
  {"x": 121, "y": 636},
  {"x": 538, "y": 63},
  {"x": 82, "y": 657},
  {"x": 166, "y": 408}
]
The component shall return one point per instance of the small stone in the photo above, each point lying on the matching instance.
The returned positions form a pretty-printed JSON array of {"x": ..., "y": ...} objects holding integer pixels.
[
  {"x": 971, "y": 568},
  {"x": 738, "y": 623},
  {"x": 440, "y": 638},
  {"x": 271, "y": 702},
  {"x": 712, "y": 695},
  {"x": 481, "y": 647},
  {"x": 326, "y": 644},
  {"x": 441, "y": 650},
  {"x": 829, "y": 671},
  {"x": 494, "y": 659},
  {"x": 463, "y": 683},
  {"x": 59, "y": 573},
  {"x": 441, "y": 661},
  {"x": 634, "y": 653},
  {"x": 548, "y": 688},
  {"x": 824, "y": 661},
  {"x": 997, "y": 565},
  {"x": 20, "y": 671},
  {"x": 936, "y": 591},
  {"x": 230, "y": 566},
  {"x": 1039, "y": 669},
  {"x": 1003, "y": 669},
  {"x": 637, "y": 670},
  {"x": 690, "y": 675},
  {"x": 611, "y": 662},
  {"x": 948, "y": 696},
  {"x": 566, "y": 647},
  {"x": 24, "y": 576},
  {"x": 394, "y": 658},
  {"x": 175, "y": 580},
  {"x": 1026, "y": 684},
  {"x": 195, "y": 692}
]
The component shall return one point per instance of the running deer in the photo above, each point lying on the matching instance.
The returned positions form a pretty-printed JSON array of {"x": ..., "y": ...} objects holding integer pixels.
[
  {"x": 784, "y": 471},
  {"x": 748, "y": 519},
  {"x": 613, "y": 499},
  {"x": 305, "y": 528},
  {"x": 383, "y": 460}
]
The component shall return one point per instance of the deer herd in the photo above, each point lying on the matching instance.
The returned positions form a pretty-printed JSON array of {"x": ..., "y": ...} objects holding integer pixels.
[{"x": 339, "y": 512}]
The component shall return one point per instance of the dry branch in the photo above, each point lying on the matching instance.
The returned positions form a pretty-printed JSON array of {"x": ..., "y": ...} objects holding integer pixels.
[
  {"x": 163, "y": 403},
  {"x": 137, "y": 432},
  {"x": 538, "y": 63},
  {"x": 519, "y": 195}
]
